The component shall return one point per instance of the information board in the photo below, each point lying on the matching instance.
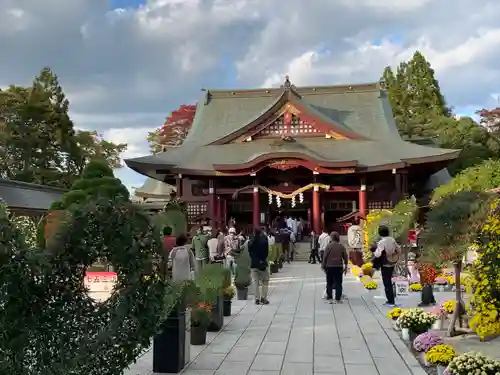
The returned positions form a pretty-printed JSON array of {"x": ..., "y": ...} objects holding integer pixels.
[{"x": 402, "y": 288}]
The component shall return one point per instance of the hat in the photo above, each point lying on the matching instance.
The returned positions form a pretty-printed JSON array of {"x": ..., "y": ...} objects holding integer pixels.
[{"x": 232, "y": 230}]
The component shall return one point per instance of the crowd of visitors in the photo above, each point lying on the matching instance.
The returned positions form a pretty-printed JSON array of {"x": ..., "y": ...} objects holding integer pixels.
[{"x": 326, "y": 249}]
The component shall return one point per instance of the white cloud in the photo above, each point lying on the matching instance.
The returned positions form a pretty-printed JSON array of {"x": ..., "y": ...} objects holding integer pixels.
[{"x": 124, "y": 70}]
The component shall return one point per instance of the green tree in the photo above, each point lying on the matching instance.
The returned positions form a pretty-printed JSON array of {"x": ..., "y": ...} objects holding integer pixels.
[
  {"x": 476, "y": 143},
  {"x": 38, "y": 142},
  {"x": 415, "y": 96},
  {"x": 478, "y": 178},
  {"x": 97, "y": 180},
  {"x": 452, "y": 226}
]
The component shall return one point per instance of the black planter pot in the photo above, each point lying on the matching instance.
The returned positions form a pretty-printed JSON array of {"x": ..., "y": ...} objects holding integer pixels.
[
  {"x": 226, "y": 311},
  {"x": 242, "y": 294},
  {"x": 280, "y": 265},
  {"x": 274, "y": 268},
  {"x": 427, "y": 295},
  {"x": 198, "y": 335},
  {"x": 217, "y": 315},
  {"x": 170, "y": 344}
]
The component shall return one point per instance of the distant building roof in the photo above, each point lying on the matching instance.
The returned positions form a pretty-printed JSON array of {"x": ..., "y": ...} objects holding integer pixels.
[
  {"x": 155, "y": 190},
  {"x": 22, "y": 195}
]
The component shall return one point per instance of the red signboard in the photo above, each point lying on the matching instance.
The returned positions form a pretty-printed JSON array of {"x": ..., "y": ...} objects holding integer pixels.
[{"x": 100, "y": 284}]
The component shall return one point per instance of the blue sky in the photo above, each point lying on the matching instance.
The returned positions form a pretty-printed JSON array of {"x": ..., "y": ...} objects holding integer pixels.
[{"x": 114, "y": 4}]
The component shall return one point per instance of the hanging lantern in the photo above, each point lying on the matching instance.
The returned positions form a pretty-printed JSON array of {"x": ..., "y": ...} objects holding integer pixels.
[
  {"x": 293, "y": 201},
  {"x": 301, "y": 198},
  {"x": 278, "y": 201},
  {"x": 270, "y": 196}
]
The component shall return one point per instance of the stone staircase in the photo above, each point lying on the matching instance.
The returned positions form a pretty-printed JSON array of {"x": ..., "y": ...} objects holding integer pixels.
[{"x": 303, "y": 248}]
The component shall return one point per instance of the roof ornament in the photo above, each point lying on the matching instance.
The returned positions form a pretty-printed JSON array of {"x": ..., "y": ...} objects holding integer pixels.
[{"x": 288, "y": 85}]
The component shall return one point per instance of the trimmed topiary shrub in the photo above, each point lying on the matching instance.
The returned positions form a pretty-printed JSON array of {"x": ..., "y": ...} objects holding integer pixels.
[{"x": 50, "y": 326}]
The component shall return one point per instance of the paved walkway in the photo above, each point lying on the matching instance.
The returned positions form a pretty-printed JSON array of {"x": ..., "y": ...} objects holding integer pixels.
[{"x": 298, "y": 333}]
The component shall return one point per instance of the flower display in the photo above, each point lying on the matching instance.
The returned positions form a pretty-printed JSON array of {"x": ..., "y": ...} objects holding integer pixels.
[
  {"x": 370, "y": 285},
  {"x": 355, "y": 270},
  {"x": 200, "y": 315},
  {"x": 450, "y": 279},
  {"x": 416, "y": 320},
  {"x": 229, "y": 292},
  {"x": 426, "y": 340},
  {"x": 472, "y": 363},
  {"x": 367, "y": 268},
  {"x": 441, "y": 281},
  {"x": 395, "y": 313},
  {"x": 440, "y": 355},
  {"x": 365, "y": 278},
  {"x": 448, "y": 306},
  {"x": 486, "y": 278},
  {"x": 416, "y": 287}
]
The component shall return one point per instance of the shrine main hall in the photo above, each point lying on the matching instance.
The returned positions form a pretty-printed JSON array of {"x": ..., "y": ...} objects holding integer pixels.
[{"x": 322, "y": 153}]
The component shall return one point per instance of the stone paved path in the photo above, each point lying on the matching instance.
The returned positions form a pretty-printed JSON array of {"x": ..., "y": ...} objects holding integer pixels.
[{"x": 298, "y": 333}]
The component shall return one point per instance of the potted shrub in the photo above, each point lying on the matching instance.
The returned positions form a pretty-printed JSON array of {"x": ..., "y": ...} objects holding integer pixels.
[
  {"x": 424, "y": 342},
  {"x": 211, "y": 281},
  {"x": 414, "y": 322},
  {"x": 228, "y": 294},
  {"x": 440, "y": 356},
  {"x": 472, "y": 363},
  {"x": 242, "y": 278},
  {"x": 200, "y": 319}
]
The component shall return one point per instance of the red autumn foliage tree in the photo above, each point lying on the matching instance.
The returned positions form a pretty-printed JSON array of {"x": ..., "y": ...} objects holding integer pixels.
[
  {"x": 174, "y": 130},
  {"x": 490, "y": 119}
]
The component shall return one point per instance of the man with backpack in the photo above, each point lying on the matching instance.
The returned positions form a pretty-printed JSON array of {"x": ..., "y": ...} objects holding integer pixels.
[{"x": 387, "y": 256}]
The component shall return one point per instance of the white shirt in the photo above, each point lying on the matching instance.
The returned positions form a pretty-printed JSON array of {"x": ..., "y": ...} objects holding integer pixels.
[
  {"x": 388, "y": 244},
  {"x": 294, "y": 225},
  {"x": 213, "y": 247},
  {"x": 182, "y": 259},
  {"x": 323, "y": 241}
]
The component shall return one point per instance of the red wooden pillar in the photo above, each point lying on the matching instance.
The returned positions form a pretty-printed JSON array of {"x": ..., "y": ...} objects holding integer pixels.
[
  {"x": 224, "y": 213},
  {"x": 316, "y": 210},
  {"x": 256, "y": 208},
  {"x": 219, "y": 213},
  {"x": 362, "y": 198},
  {"x": 212, "y": 203}
]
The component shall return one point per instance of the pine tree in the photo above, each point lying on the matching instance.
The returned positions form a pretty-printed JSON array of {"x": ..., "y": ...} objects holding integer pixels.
[{"x": 415, "y": 96}]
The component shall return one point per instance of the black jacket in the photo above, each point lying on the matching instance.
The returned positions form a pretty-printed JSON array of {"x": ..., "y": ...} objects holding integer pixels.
[{"x": 258, "y": 247}]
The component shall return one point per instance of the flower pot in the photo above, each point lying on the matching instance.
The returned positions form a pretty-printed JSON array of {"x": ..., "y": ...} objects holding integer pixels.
[
  {"x": 242, "y": 294},
  {"x": 169, "y": 344},
  {"x": 217, "y": 315},
  {"x": 226, "y": 310},
  {"x": 440, "y": 369},
  {"x": 438, "y": 325},
  {"x": 405, "y": 334},
  {"x": 423, "y": 359},
  {"x": 198, "y": 335},
  {"x": 274, "y": 268},
  {"x": 395, "y": 325}
]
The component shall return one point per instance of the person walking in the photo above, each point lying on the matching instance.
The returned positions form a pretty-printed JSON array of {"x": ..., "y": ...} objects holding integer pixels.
[
  {"x": 181, "y": 259},
  {"x": 323, "y": 241},
  {"x": 388, "y": 252},
  {"x": 334, "y": 263},
  {"x": 200, "y": 248},
  {"x": 313, "y": 255},
  {"x": 258, "y": 248},
  {"x": 213, "y": 248},
  {"x": 231, "y": 247}
]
